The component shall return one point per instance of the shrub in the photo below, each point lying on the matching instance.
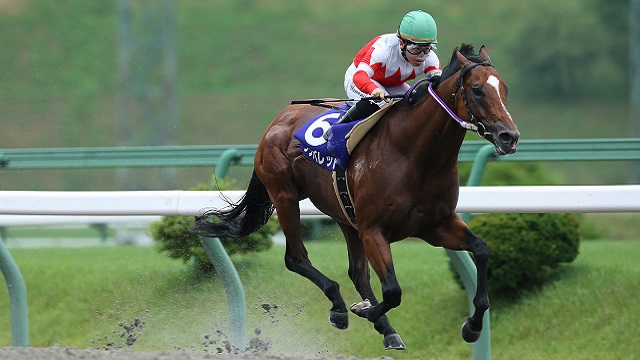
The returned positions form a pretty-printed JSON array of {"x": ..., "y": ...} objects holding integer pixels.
[
  {"x": 526, "y": 248},
  {"x": 174, "y": 236}
]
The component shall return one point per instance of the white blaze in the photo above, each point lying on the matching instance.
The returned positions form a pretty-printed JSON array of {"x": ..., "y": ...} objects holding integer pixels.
[{"x": 493, "y": 81}]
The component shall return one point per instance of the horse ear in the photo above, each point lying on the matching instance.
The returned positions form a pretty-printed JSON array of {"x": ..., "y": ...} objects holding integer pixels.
[
  {"x": 484, "y": 55},
  {"x": 464, "y": 62}
]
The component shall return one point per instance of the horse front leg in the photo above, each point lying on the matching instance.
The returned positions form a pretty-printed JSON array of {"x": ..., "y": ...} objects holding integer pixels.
[
  {"x": 472, "y": 328},
  {"x": 378, "y": 253},
  {"x": 456, "y": 235},
  {"x": 360, "y": 276},
  {"x": 391, "y": 296}
]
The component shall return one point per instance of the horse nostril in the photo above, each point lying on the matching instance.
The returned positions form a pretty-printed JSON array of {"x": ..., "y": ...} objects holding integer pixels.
[{"x": 506, "y": 139}]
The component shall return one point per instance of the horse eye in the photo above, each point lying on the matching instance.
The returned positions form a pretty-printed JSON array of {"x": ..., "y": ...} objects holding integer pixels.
[{"x": 477, "y": 91}]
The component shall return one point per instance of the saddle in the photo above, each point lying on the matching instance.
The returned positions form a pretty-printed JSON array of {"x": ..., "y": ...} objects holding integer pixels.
[{"x": 334, "y": 154}]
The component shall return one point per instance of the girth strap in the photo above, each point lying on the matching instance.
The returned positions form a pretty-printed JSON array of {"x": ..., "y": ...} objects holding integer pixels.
[{"x": 342, "y": 191}]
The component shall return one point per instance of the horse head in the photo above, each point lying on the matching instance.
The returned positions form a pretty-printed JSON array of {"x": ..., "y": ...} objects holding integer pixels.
[{"x": 481, "y": 96}]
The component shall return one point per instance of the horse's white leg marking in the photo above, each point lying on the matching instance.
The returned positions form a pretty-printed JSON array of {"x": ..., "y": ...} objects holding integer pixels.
[{"x": 493, "y": 81}]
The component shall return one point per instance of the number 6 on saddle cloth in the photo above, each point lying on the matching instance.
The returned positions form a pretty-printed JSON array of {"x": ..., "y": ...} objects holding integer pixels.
[{"x": 343, "y": 136}]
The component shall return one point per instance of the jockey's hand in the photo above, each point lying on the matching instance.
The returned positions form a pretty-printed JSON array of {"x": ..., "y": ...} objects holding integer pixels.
[{"x": 379, "y": 93}]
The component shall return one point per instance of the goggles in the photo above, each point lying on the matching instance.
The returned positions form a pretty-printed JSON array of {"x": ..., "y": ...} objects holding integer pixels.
[{"x": 417, "y": 49}]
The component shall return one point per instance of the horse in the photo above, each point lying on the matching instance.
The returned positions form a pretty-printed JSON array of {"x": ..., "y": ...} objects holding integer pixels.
[{"x": 403, "y": 180}]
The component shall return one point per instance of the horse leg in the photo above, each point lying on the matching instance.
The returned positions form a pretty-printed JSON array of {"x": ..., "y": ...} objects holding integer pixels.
[
  {"x": 297, "y": 260},
  {"x": 360, "y": 276},
  {"x": 456, "y": 235},
  {"x": 473, "y": 325},
  {"x": 378, "y": 252}
]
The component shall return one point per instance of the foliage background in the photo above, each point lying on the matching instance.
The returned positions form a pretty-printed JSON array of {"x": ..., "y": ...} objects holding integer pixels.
[
  {"x": 526, "y": 249},
  {"x": 241, "y": 62}
]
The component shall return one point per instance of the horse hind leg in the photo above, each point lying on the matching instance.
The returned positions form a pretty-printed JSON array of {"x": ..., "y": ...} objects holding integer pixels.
[
  {"x": 338, "y": 315},
  {"x": 361, "y": 278},
  {"x": 297, "y": 260}
]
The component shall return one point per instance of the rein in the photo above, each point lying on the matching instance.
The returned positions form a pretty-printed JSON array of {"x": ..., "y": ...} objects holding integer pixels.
[
  {"x": 322, "y": 102},
  {"x": 465, "y": 124}
]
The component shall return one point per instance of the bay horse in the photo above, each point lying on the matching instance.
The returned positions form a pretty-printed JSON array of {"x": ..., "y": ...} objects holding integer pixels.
[{"x": 403, "y": 178}]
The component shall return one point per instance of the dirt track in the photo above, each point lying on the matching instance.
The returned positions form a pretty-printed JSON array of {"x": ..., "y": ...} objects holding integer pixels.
[{"x": 56, "y": 353}]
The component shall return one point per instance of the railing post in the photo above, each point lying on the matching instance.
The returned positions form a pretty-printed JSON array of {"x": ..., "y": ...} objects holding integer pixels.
[
  {"x": 227, "y": 157},
  {"x": 235, "y": 292},
  {"x": 479, "y": 163},
  {"x": 17, "y": 298},
  {"x": 103, "y": 229},
  {"x": 227, "y": 272},
  {"x": 466, "y": 268}
]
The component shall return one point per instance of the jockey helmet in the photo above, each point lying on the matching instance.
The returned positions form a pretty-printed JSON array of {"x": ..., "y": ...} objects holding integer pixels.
[{"x": 418, "y": 27}]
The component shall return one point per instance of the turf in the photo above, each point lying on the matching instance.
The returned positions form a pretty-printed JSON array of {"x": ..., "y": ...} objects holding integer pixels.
[{"x": 89, "y": 297}]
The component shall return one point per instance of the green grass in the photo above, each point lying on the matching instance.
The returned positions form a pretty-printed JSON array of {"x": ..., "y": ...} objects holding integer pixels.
[
  {"x": 56, "y": 232},
  {"x": 77, "y": 297},
  {"x": 611, "y": 226},
  {"x": 590, "y": 313}
]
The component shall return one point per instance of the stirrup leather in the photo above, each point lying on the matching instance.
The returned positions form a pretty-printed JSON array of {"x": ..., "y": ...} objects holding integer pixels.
[{"x": 342, "y": 192}]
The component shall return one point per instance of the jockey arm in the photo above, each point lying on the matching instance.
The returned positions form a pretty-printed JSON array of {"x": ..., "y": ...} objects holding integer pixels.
[{"x": 362, "y": 79}]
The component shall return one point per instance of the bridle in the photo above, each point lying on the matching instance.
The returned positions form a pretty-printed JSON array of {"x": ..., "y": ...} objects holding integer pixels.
[
  {"x": 472, "y": 124},
  {"x": 460, "y": 87}
]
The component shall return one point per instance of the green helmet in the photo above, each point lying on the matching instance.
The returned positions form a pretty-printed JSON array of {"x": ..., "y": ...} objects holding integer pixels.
[{"x": 419, "y": 27}]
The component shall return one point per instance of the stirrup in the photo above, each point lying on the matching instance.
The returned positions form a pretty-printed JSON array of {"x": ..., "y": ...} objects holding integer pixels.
[
  {"x": 340, "y": 121},
  {"x": 326, "y": 134}
]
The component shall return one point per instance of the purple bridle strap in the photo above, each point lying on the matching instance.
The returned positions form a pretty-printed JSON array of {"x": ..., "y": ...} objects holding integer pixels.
[{"x": 465, "y": 124}]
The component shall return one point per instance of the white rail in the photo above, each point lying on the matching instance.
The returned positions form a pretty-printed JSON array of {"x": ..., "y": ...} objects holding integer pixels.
[
  {"x": 65, "y": 220},
  {"x": 482, "y": 199}
]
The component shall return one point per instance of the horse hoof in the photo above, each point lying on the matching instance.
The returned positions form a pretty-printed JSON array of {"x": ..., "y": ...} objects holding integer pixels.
[
  {"x": 361, "y": 308},
  {"x": 393, "y": 342},
  {"x": 339, "y": 319},
  {"x": 469, "y": 335}
]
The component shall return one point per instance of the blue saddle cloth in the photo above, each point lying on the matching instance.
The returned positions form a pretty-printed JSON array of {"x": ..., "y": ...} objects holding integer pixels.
[{"x": 326, "y": 153}]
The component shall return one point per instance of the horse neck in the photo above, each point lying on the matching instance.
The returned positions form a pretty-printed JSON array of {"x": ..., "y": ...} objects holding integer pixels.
[{"x": 428, "y": 133}]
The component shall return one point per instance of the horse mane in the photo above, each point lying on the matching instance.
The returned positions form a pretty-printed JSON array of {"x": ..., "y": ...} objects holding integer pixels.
[{"x": 465, "y": 49}]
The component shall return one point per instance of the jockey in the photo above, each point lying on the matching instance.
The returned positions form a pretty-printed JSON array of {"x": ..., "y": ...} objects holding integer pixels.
[{"x": 388, "y": 61}]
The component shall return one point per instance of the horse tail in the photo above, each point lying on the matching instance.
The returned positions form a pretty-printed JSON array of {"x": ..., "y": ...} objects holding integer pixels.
[{"x": 237, "y": 220}]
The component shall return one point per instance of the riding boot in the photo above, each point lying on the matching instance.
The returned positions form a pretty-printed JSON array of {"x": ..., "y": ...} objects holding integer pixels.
[{"x": 362, "y": 109}]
